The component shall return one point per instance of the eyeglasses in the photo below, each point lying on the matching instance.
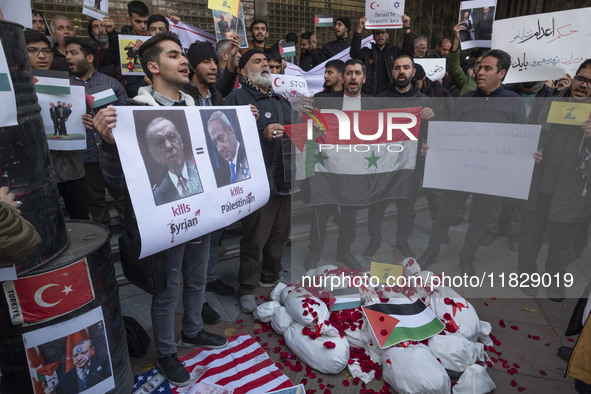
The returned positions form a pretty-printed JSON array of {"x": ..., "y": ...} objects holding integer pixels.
[
  {"x": 37, "y": 51},
  {"x": 582, "y": 80}
]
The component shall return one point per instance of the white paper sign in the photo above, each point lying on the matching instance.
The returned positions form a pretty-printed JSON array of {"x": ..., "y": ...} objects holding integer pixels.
[
  {"x": 62, "y": 119},
  {"x": 96, "y": 8},
  {"x": 18, "y": 12},
  {"x": 7, "y": 98},
  {"x": 291, "y": 87},
  {"x": 214, "y": 194},
  {"x": 479, "y": 23},
  {"x": 434, "y": 68},
  {"x": 477, "y": 157},
  {"x": 384, "y": 14},
  {"x": 544, "y": 46}
]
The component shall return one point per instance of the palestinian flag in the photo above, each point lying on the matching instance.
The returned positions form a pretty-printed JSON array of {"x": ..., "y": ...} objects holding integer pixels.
[
  {"x": 401, "y": 320},
  {"x": 341, "y": 299},
  {"x": 100, "y": 96},
  {"x": 51, "y": 81},
  {"x": 322, "y": 20},
  {"x": 287, "y": 49},
  {"x": 360, "y": 169}
]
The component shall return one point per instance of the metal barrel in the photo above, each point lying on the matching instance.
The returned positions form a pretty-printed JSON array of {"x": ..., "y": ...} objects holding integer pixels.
[
  {"x": 88, "y": 240},
  {"x": 25, "y": 164}
]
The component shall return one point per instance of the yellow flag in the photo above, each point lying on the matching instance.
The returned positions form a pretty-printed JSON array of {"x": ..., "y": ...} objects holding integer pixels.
[
  {"x": 570, "y": 113},
  {"x": 230, "y": 6},
  {"x": 384, "y": 271}
]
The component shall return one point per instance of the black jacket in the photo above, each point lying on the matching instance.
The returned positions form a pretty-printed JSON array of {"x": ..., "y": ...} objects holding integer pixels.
[
  {"x": 369, "y": 56},
  {"x": 331, "y": 48}
]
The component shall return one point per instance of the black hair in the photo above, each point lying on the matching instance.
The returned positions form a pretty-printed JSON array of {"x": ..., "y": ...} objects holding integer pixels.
[
  {"x": 585, "y": 64},
  {"x": 37, "y": 13},
  {"x": 35, "y": 36},
  {"x": 503, "y": 59},
  {"x": 306, "y": 35},
  {"x": 157, "y": 18},
  {"x": 408, "y": 57},
  {"x": 150, "y": 50},
  {"x": 291, "y": 37},
  {"x": 355, "y": 61},
  {"x": 337, "y": 64},
  {"x": 85, "y": 45},
  {"x": 273, "y": 53},
  {"x": 256, "y": 21},
  {"x": 137, "y": 7}
]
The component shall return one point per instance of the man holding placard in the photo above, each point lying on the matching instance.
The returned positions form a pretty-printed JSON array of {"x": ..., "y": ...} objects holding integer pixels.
[
  {"x": 559, "y": 195},
  {"x": 485, "y": 105}
]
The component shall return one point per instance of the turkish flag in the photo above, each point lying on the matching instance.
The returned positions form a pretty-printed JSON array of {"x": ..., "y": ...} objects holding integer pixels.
[{"x": 49, "y": 295}]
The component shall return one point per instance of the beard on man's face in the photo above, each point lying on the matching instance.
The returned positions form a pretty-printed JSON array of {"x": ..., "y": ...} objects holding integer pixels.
[{"x": 261, "y": 79}]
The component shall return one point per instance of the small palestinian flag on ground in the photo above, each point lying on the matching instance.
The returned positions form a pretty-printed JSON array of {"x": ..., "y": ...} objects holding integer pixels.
[
  {"x": 341, "y": 299},
  {"x": 401, "y": 320},
  {"x": 322, "y": 20},
  {"x": 287, "y": 49},
  {"x": 100, "y": 96},
  {"x": 51, "y": 81}
]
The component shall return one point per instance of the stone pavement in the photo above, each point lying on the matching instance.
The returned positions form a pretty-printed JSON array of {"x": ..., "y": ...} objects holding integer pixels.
[{"x": 529, "y": 330}]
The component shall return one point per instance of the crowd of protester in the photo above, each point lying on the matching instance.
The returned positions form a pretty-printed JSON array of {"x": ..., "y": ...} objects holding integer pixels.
[{"x": 205, "y": 75}]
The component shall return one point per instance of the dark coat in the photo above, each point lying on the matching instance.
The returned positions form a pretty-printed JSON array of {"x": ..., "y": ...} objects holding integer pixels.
[
  {"x": 331, "y": 48},
  {"x": 223, "y": 174},
  {"x": 99, "y": 370},
  {"x": 369, "y": 56}
]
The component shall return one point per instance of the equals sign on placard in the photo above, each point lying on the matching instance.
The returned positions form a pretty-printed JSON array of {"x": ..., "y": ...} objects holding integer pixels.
[{"x": 199, "y": 151}]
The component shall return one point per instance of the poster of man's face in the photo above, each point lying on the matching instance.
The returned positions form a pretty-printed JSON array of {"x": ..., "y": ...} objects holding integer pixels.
[
  {"x": 226, "y": 25},
  {"x": 226, "y": 147},
  {"x": 478, "y": 17},
  {"x": 165, "y": 144},
  {"x": 71, "y": 357}
]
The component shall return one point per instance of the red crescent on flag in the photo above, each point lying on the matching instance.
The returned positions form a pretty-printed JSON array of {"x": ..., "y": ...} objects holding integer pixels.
[
  {"x": 39, "y": 296},
  {"x": 371, "y": 5},
  {"x": 275, "y": 82}
]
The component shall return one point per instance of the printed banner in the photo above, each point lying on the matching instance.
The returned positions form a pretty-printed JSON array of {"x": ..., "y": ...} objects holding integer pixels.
[
  {"x": 187, "y": 179},
  {"x": 544, "y": 46},
  {"x": 479, "y": 17},
  {"x": 41, "y": 297},
  {"x": 96, "y": 8},
  {"x": 481, "y": 158},
  {"x": 62, "y": 119},
  {"x": 17, "y": 11},
  {"x": 434, "y": 68},
  {"x": 291, "y": 87},
  {"x": 570, "y": 113},
  {"x": 8, "y": 113},
  {"x": 384, "y": 14},
  {"x": 188, "y": 34},
  {"x": 226, "y": 25},
  {"x": 129, "y": 48},
  {"x": 383, "y": 271},
  {"x": 57, "y": 355}
]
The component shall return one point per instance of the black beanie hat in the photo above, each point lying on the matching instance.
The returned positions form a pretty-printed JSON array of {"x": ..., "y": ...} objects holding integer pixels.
[
  {"x": 420, "y": 72},
  {"x": 199, "y": 51},
  {"x": 247, "y": 55},
  {"x": 345, "y": 22}
]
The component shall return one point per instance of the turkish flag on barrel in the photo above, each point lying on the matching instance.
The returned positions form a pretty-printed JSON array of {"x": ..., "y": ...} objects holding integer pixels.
[{"x": 46, "y": 296}]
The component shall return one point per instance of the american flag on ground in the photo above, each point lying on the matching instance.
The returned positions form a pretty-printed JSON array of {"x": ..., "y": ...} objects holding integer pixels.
[{"x": 243, "y": 366}]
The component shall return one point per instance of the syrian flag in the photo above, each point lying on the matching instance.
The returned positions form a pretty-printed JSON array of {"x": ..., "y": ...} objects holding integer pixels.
[
  {"x": 100, "y": 96},
  {"x": 401, "y": 320},
  {"x": 46, "y": 296},
  {"x": 287, "y": 49},
  {"x": 322, "y": 20},
  {"x": 243, "y": 366},
  {"x": 51, "y": 81},
  {"x": 360, "y": 169}
]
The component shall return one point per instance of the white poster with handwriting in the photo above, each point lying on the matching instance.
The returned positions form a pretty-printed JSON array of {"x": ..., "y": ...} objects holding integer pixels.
[
  {"x": 384, "y": 14},
  {"x": 434, "y": 68},
  {"x": 544, "y": 46},
  {"x": 478, "y": 157},
  {"x": 189, "y": 178}
]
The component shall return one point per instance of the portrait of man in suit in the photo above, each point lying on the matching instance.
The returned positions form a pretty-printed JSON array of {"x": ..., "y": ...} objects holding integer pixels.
[
  {"x": 179, "y": 177},
  {"x": 468, "y": 34},
  {"x": 484, "y": 24},
  {"x": 230, "y": 164},
  {"x": 90, "y": 369}
]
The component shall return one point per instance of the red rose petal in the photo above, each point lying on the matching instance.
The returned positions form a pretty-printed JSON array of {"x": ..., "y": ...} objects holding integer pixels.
[
  {"x": 502, "y": 323},
  {"x": 543, "y": 373},
  {"x": 510, "y": 372},
  {"x": 304, "y": 381},
  {"x": 535, "y": 337},
  {"x": 516, "y": 365},
  {"x": 520, "y": 389},
  {"x": 485, "y": 304},
  {"x": 346, "y": 383},
  {"x": 513, "y": 383},
  {"x": 489, "y": 364},
  {"x": 570, "y": 339},
  {"x": 239, "y": 321},
  {"x": 514, "y": 328}
]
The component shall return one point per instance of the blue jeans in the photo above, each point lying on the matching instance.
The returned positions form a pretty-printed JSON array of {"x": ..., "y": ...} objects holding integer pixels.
[{"x": 190, "y": 259}]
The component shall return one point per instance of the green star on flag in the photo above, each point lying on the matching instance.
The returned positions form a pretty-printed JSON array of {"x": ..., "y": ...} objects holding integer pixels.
[
  {"x": 320, "y": 158},
  {"x": 373, "y": 160}
]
